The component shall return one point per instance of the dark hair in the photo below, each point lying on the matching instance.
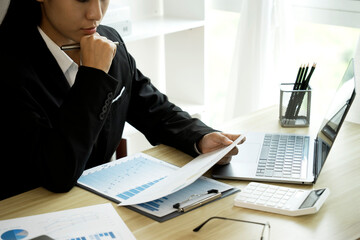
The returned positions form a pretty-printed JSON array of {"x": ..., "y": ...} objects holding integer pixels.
[{"x": 21, "y": 14}]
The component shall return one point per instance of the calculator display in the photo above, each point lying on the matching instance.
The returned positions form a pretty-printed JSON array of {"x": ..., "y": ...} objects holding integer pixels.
[{"x": 312, "y": 198}]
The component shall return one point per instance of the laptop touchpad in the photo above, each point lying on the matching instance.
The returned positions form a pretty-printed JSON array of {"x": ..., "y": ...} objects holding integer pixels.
[{"x": 243, "y": 164}]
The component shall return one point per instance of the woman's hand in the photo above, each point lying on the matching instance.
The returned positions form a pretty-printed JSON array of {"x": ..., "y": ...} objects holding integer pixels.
[
  {"x": 217, "y": 140},
  {"x": 97, "y": 52}
]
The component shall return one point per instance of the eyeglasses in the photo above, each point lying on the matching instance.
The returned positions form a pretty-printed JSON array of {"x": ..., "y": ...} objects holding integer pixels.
[{"x": 267, "y": 224}]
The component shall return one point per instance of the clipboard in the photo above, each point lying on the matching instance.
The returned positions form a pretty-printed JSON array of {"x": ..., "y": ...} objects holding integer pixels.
[
  {"x": 192, "y": 207},
  {"x": 184, "y": 205},
  {"x": 122, "y": 179}
]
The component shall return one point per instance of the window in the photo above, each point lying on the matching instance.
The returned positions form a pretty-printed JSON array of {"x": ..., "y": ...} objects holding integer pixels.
[
  {"x": 331, "y": 47},
  {"x": 326, "y": 32},
  {"x": 220, "y": 42}
]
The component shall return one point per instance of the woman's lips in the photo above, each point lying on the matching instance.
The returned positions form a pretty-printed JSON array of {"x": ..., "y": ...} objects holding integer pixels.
[{"x": 89, "y": 31}]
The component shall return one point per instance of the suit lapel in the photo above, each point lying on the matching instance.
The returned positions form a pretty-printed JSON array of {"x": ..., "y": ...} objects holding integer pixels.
[{"x": 47, "y": 68}]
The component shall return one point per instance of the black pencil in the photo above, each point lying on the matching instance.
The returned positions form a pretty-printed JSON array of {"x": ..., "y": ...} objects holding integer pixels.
[
  {"x": 297, "y": 77},
  {"x": 298, "y": 83},
  {"x": 291, "y": 105},
  {"x": 304, "y": 87},
  {"x": 309, "y": 76},
  {"x": 304, "y": 76}
]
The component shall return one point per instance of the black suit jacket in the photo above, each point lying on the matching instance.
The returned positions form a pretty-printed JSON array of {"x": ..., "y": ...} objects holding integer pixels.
[{"x": 53, "y": 132}]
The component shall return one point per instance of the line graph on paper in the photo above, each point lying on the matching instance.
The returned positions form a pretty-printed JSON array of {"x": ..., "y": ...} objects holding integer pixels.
[{"x": 124, "y": 178}]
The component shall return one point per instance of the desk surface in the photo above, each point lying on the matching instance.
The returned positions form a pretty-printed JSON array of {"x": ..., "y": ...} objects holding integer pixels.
[{"x": 339, "y": 217}]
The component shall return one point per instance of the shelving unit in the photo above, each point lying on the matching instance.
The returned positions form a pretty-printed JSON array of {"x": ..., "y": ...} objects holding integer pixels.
[
  {"x": 167, "y": 42},
  {"x": 157, "y": 26}
]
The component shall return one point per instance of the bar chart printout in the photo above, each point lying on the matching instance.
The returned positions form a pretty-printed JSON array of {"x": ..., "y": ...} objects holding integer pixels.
[
  {"x": 141, "y": 178},
  {"x": 124, "y": 178},
  {"x": 98, "y": 222}
]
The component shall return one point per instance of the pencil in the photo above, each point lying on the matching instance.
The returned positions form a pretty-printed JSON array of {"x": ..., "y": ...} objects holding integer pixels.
[
  {"x": 303, "y": 82},
  {"x": 76, "y": 46},
  {"x": 297, "y": 77},
  {"x": 298, "y": 82},
  {"x": 306, "y": 70},
  {"x": 304, "y": 87},
  {"x": 309, "y": 76},
  {"x": 291, "y": 104}
]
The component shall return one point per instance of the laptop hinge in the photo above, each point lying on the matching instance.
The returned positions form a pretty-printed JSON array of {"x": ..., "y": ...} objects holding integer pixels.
[{"x": 316, "y": 157}]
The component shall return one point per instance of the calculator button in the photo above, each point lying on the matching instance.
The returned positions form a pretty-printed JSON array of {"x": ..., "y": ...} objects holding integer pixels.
[
  {"x": 251, "y": 200},
  {"x": 271, "y": 204},
  {"x": 261, "y": 202}
]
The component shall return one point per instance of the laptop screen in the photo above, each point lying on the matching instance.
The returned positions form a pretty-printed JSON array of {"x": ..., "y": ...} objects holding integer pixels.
[{"x": 335, "y": 116}]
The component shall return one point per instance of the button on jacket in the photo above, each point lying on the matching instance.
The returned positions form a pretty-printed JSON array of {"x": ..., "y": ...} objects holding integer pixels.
[{"x": 52, "y": 131}]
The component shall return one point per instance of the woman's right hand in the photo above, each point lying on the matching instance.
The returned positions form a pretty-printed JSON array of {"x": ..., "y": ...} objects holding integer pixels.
[{"x": 97, "y": 52}]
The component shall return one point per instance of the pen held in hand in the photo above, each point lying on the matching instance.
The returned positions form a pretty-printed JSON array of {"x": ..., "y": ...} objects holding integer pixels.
[{"x": 77, "y": 46}]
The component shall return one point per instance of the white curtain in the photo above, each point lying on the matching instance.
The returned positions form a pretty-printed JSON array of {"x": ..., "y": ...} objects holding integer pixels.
[{"x": 262, "y": 57}]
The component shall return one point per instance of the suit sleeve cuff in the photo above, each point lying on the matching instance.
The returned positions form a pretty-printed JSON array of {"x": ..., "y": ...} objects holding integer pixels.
[{"x": 196, "y": 149}]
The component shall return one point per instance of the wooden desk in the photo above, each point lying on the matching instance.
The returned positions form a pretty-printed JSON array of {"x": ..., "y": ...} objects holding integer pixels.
[{"x": 339, "y": 217}]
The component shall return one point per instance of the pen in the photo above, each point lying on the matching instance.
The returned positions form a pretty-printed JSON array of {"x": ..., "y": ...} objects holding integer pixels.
[{"x": 76, "y": 46}]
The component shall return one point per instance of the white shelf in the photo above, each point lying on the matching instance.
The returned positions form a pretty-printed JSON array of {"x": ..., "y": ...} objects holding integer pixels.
[
  {"x": 167, "y": 41},
  {"x": 157, "y": 26}
]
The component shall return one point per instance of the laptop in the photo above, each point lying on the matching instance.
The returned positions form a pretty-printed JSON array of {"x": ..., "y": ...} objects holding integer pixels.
[{"x": 290, "y": 158}]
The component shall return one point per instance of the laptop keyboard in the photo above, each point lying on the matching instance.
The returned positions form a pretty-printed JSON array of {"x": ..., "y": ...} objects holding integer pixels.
[{"x": 281, "y": 156}]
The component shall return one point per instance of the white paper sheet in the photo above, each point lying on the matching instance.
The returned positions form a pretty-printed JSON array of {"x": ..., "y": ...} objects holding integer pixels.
[
  {"x": 182, "y": 177},
  {"x": 98, "y": 222}
]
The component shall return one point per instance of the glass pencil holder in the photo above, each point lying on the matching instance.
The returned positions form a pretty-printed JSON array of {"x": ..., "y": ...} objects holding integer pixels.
[{"x": 294, "y": 108}]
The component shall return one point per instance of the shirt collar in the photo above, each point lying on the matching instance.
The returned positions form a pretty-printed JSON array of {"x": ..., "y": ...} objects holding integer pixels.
[{"x": 64, "y": 61}]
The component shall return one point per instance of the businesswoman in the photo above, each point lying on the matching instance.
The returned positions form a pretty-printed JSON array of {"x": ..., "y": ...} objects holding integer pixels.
[{"x": 64, "y": 111}]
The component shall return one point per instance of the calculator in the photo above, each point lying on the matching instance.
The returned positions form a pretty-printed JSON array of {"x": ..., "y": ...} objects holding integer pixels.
[{"x": 281, "y": 200}]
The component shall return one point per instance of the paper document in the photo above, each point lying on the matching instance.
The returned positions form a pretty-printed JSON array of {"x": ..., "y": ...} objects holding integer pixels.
[
  {"x": 141, "y": 178},
  {"x": 100, "y": 222},
  {"x": 182, "y": 177}
]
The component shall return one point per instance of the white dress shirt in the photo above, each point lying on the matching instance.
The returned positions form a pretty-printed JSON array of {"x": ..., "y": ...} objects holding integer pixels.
[{"x": 67, "y": 65}]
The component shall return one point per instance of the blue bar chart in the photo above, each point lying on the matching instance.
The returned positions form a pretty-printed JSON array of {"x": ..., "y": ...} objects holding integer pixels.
[
  {"x": 97, "y": 236},
  {"x": 124, "y": 179}
]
